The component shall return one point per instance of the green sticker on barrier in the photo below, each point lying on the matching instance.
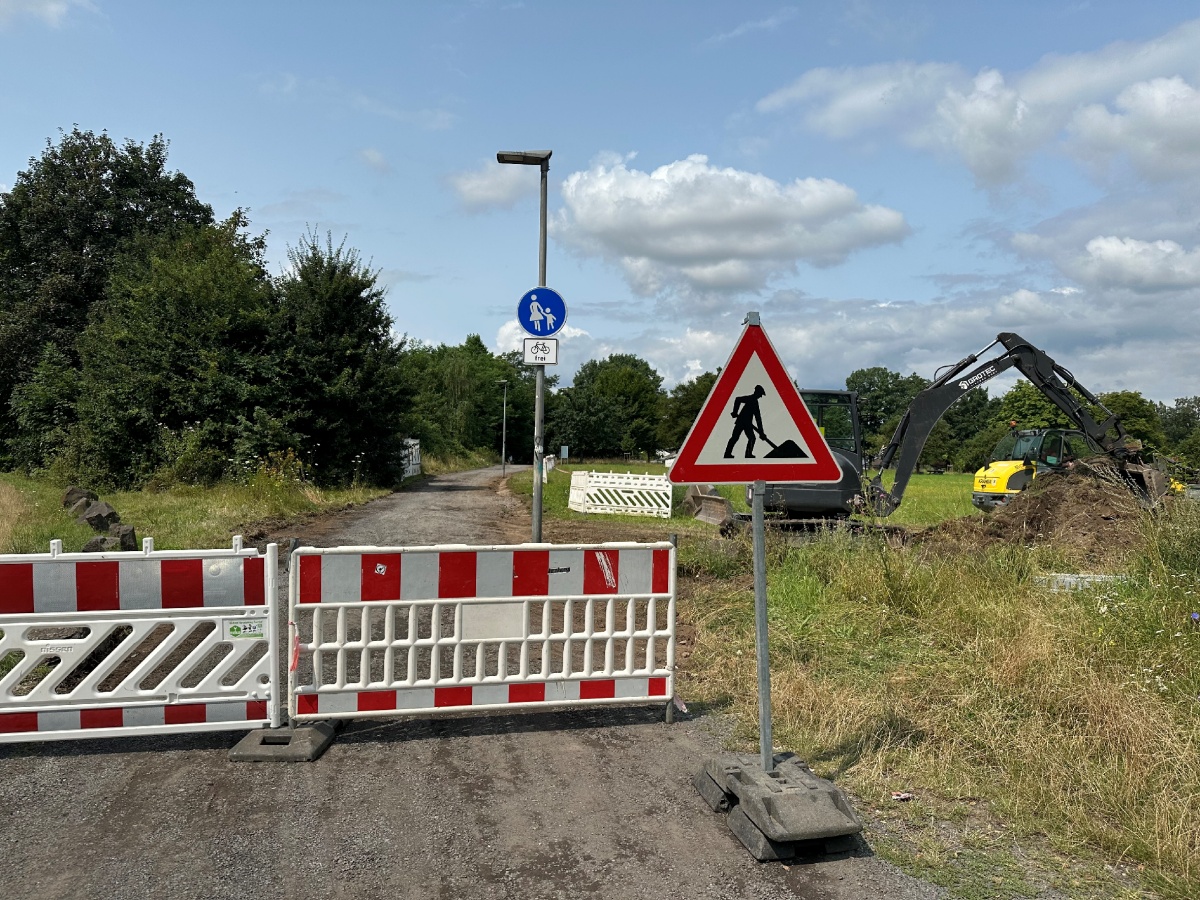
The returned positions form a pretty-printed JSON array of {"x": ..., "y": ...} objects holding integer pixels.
[{"x": 244, "y": 629}]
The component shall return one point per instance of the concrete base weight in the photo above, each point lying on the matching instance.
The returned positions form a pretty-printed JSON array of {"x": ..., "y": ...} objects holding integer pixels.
[{"x": 303, "y": 743}]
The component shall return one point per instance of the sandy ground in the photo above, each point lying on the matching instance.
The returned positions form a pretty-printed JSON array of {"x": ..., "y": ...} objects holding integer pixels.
[{"x": 557, "y": 804}]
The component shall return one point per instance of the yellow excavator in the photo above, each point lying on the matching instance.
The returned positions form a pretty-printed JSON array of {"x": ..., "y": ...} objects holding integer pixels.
[{"x": 1021, "y": 455}]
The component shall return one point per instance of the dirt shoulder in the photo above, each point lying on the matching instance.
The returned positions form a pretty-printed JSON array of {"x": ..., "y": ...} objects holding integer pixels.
[{"x": 556, "y": 804}]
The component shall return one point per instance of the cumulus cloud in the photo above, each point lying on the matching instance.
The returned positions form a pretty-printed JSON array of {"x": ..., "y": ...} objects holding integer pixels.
[
  {"x": 693, "y": 226},
  {"x": 494, "y": 186},
  {"x": 1156, "y": 125},
  {"x": 52, "y": 12},
  {"x": 1143, "y": 266},
  {"x": 1108, "y": 342},
  {"x": 994, "y": 121}
]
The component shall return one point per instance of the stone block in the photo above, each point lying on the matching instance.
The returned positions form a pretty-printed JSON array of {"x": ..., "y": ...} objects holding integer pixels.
[
  {"x": 74, "y": 494},
  {"x": 100, "y": 516}
]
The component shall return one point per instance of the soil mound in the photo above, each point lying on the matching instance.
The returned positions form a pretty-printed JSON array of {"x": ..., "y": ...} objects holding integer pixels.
[{"x": 1089, "y": 516}]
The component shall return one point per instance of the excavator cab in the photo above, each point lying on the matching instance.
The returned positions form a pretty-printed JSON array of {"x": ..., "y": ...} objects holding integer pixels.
[{"x": 1021, "y": 455}]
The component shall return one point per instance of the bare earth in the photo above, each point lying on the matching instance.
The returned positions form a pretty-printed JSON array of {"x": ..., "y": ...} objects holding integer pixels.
[{"x": 547, "y": 805}]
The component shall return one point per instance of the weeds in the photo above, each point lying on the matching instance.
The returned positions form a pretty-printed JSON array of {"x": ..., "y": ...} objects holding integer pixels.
[{"x": 1070, "y": 720}]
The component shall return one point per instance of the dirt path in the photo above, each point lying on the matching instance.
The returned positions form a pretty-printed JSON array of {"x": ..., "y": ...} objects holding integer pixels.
[{"x": 548, "y": 805}]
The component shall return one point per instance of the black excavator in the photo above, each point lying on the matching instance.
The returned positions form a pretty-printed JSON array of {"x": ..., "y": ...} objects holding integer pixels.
[{"x": 836, "y": 412}]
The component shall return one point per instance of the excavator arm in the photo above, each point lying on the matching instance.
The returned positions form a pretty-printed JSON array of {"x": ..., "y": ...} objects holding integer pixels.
[{"x": 1054, "y": 381}]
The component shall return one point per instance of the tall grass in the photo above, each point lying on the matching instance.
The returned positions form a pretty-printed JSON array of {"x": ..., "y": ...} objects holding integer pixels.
[{"x": 1070, "y": 720}]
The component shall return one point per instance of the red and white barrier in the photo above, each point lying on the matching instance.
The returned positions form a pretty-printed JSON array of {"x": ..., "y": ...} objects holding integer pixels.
[
  {"x": 426, "y": 629},
  {"x": 104, "y": 644}
]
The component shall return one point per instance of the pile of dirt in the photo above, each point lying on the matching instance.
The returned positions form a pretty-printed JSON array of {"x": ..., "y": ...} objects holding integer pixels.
[{"x": 1090, "y": 517}]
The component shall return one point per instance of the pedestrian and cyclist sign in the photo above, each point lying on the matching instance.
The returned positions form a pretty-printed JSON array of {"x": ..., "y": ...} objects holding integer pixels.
[
  {"x": 754, "y": 426},
  {"x": 542, "y": 312}
]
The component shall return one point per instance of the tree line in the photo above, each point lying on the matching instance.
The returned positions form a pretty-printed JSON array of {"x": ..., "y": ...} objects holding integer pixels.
[{"x": 145, "y": 343}]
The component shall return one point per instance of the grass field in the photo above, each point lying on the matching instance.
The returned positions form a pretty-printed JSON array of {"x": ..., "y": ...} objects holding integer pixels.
[
  {"x": 1051, "y": 741},
  {"x": 31, "y": 513}
]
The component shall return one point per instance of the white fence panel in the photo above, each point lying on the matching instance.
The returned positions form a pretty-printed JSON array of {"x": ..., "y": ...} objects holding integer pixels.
[
  {"x": 613, "y": 492},
  {"x": 107, "y": 644},
  {"x": 412, "y": 457},
  {"x": 418, "y": 630}
]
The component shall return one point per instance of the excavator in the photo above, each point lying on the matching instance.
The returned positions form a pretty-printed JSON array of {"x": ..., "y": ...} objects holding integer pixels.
[{"x": 1013, "y": 467}]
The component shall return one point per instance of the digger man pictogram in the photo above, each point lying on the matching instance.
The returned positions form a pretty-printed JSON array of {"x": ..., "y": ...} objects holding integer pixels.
[{"x": 747, "y": 420}]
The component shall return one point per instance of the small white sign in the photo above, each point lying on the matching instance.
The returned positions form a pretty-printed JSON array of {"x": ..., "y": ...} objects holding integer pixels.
[
  {"x": 541, "y": 351},
  {"x": 244, "y": 629}
]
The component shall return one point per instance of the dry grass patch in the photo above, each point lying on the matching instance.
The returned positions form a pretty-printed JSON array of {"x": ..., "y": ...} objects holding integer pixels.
[{"x": 12, "y": 510}]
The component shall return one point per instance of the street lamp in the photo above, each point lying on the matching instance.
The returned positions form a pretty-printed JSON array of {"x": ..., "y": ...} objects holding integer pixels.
[
  {"x": 504, "y": 430},
  {"x": 536, "y": 158}
]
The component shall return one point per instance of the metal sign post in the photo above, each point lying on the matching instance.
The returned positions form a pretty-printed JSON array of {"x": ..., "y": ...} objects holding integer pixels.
[{"x": 765, "y": 744}]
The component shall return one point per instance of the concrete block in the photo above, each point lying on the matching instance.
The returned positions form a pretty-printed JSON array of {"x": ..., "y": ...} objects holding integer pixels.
[
  {"x": 760, "y": 846},
  {"x": 301, "y": 743},
  {"x": 787, "y": 804},
  {"x": 711, "y": 792}
]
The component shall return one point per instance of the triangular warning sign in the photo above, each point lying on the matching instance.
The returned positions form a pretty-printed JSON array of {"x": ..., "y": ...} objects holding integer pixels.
[{"x": 754, "y": 426}]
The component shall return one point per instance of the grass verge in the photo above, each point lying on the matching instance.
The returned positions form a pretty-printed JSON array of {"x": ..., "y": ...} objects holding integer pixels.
[
  {"x": 31, "y": 513},
  {"x": 1051, "y": 740}
]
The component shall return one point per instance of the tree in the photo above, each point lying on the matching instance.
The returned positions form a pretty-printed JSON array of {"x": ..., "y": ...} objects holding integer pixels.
[
  {"x": 1028, "y": 407},
  {"x": 1181, "y": 420},
  {"x": 1138, "y": 415},
  {"x": 63, "y": 223},
  {"x": 342, "y": 388},
  {"x": 882, "y": 395},
  {"x": 587, "y": 421},
  {"x": 174, "y": 356},
  {"x": 634, "y": 389},
  {"x": 681, "y": 408}
]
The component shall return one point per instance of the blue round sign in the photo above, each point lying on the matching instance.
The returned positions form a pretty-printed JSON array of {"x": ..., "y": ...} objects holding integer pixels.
[{"x": 542, "y": 312}]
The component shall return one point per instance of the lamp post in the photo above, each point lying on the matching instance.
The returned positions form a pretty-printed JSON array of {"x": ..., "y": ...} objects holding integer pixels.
[
  {"x": 536, "y": 158},
  {"x": 504, "y": 430}
]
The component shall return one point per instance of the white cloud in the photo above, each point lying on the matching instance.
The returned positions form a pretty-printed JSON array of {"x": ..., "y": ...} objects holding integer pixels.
[
  {"x": 692, "y": 226},
  {"x": 770, "y": 23},
  {"x": 1143, "y": 266},
  {"x": 375, "y": 159},
  {"x": 844, "y": 102},
  {"x": 52, "y": 12},
  {"x": 994, "y": 121},
  {"x": 1156, "y": 125},
  {"x": 494, "y": 186},
  {"x": 511, "y": 336},
  {"x": 1108, "y": 341}
]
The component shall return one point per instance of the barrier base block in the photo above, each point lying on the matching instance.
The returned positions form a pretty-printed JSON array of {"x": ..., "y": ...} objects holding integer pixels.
[
  {"x": 760, "y": 846},
  {"x": 301, "y": 743},
  {"x": 711, "y": 792},
  {"x": 789, "y": 804}
]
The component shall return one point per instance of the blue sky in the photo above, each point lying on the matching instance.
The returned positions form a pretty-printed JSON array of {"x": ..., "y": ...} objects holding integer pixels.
[{"x": 888, "y": 183}]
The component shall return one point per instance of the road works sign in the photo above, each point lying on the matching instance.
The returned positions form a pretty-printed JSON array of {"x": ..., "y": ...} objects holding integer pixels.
[{"x": 754, "y": 426}]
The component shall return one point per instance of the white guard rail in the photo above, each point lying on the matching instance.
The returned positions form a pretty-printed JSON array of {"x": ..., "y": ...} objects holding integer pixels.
[
  {"x": 418, "y": 630},
  {"x": 108, "y": 644},
  {"x": 612, "y": 492}
]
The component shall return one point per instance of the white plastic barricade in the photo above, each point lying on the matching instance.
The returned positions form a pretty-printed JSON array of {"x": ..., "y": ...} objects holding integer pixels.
[
  {"x": 547, "y": 468},
  {"x": 412, "y": 457},
  {"x": 418, "y": 630},
  {"x": 108, "y": 644},
  {"x": 612, "y": 492}
]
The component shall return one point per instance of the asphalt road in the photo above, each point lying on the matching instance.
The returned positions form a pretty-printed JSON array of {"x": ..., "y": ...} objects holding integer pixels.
[{"x": 574, "y": 804}]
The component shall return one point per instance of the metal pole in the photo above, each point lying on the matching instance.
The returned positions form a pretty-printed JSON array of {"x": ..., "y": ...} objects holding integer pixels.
[
  {"x": 766, "y": 748},
  {"x": 504, "y": 435},
  {"x": 540, "y": 383}
]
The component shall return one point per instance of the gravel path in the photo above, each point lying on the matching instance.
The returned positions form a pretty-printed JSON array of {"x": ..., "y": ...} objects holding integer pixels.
[{"x": 574, "y": 804}]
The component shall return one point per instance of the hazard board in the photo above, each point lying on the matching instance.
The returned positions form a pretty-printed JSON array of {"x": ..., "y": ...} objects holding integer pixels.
[{"x": 754, "y": 426}]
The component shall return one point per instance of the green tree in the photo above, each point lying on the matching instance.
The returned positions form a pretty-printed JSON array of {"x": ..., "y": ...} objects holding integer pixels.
[
  {"x": 681, "y": 407},
  {"x": 587, "y": 421},
  {"x": 61, "y": 226},
  {"x": 883, "y": 395},
  {"x": 635, "y": 389},
  {"x": 342, "y": 387},
  {"x": 1180, "y": 420},
  {"x": 1138, "y": 415},
  {"x": 1028, "y": 407},
  {"x": 174, "y": 355}
]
